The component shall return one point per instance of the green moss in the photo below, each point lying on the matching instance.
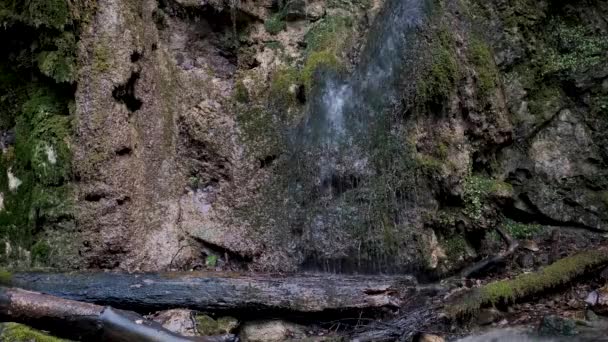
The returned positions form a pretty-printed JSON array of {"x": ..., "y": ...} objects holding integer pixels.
[
  {"x": 545, "y": 101},
  {"x": 481, "y": 57},
  {"x": 13, "y": 332},
  {"x": 329, "y": 34},
  {"x": 521, "y": 230},
  {"x": 241, "y": 94},
  {"x": 208, "y": 326},
  {"x": 40, "y": 252},
  {"x": 428, "y": 163},
  {"x": 282, "y": 95},
  {"x": 436, "y": 83},
  {"x": 101, "y": 58},
  {"x": 317, "y": 60},
  {"x": 6, "y": 277},
  {"x": 455, "y": 247},
  {"x": 508, "y": 291},
  {"x": 275, "y": 24}
]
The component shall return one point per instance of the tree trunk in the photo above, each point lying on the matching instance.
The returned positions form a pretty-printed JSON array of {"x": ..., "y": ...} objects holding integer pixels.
[
  {"x": 85, "y": 321},
  {"x": 222, "y": 292}
]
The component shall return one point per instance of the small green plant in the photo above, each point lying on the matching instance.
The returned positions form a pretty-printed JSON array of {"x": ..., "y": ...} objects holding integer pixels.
[
  {"x": 211, "y": 261},
  {"x": 521, "y": 230},
  {"x": 476, "y": 192},
  {"x": 275, "y": 24}
]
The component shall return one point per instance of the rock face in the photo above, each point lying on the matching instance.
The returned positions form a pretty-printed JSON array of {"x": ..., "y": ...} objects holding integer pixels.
[{"x": 316, "y": 135}]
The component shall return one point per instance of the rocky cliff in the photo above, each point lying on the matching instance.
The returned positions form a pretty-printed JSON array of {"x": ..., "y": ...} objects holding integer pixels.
[{"x": 179, "y": 134}]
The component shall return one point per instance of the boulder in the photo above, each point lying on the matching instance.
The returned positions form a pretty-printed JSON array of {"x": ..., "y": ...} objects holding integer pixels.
[
  {"x": 271, "y": 331},
  {"x": 179, "y": 321},
  {"x": 553, "y": 325}
]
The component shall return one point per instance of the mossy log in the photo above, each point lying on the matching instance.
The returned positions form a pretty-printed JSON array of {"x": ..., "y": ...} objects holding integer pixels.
[
  {"x": 85, "y": 321},
  {"x": 506, "y": 291},
  {"x": 222, "y": 292}
]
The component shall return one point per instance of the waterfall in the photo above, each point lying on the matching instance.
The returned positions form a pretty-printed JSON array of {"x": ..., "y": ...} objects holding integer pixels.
[{"x": 332, "y": 178}]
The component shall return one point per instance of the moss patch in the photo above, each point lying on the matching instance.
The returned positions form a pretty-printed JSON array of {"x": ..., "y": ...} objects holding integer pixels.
[
  {"x": 481, "y": 57},
  {"x": 438, "y": 79},
  {"x": 13, "y": 332},
  {"x": 511, "y": 290},
  {"x": 477, "y": 190},
  {"x": 208, "y": 326}
]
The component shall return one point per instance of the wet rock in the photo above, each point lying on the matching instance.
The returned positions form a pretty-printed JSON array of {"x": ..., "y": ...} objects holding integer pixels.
[
  {"x": 488, "y": 316},
  {"x": 271, "y": 331},
  {"x": 604, "y": 274},
  {"x": 598, "y": 300},
  {"x": 430, "y": 338},
  {"x": 208, "y": 326},
  {"x": 530, "y": 245},
  {"x": 557, "y": 326},
  {"x": 591, "y": 316},
  {"x": 302, "y": 9},
  {"x": 526, "y": 260},
  {"x": 177, "y": 320}
]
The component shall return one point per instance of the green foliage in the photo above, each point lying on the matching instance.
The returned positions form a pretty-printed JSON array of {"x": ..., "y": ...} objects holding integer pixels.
[
  {"x": 545, "y": 101},
  {"x": 521, "y": 230},
  {"x": 275, "y": 24},
  {"x": 349, "y": 4},
  {"x": 511, "y": 290},
  {"x": 41, "y": 161},
  {"x": 13, "y": 332},
  {"x": 437, "y": 81},
  {"x": 49, "y": 13},
  {"x": 476, "y": 192},
  {"x": 58, "y": 60},
  {"x": 575, "y": 49}
]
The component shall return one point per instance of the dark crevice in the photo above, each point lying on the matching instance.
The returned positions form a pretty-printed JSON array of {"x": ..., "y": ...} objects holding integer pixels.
[
  {"x": 537, "y": 216},
  {"x": 123, "y": 200},
  {"x": 231, "y": 257},
  {"x": 136, "y": 56},
  {"x": 94, "y": 197},
  {"x": 125, "y": 93},
  {"x": 124, "y": 151},
  {"x": 267, "y": 161}
]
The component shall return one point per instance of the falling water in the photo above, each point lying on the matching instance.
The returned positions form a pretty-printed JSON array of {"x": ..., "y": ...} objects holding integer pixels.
[{"x": 329, "y": 148}]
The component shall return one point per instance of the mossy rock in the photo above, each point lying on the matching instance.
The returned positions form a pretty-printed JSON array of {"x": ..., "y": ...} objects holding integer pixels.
[
  {"x": 207, "y": 326},
  {"x": 14, "y": 332}
]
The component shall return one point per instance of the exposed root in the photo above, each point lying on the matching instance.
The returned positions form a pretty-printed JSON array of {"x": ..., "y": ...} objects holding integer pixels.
[{"x": 498, "y": 258}]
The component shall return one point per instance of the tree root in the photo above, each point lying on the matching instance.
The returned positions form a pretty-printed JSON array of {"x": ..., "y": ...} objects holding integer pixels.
[{"x": 498, "y": 258}]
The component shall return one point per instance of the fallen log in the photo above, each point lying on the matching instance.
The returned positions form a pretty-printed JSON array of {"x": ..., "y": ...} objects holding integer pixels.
[
  {"x": 85, "y": 321},
  {"x": 221, "y": 292}
]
